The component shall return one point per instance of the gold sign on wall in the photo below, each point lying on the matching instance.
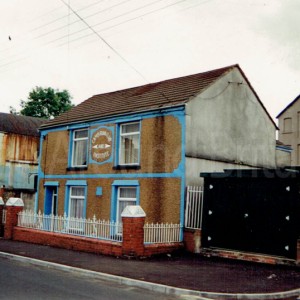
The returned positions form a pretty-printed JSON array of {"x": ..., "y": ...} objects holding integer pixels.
[{"x": 101, "y": 144}]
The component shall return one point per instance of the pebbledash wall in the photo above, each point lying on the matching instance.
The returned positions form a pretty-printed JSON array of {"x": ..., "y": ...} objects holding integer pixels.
[{"x": 159, "y": 177}]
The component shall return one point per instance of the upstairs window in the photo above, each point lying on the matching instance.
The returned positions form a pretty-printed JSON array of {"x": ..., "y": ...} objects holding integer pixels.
[
  {"x": 80, "y": 147},
  {"x": 129, "y": 144},
  {"x": 287, "y": 125}
]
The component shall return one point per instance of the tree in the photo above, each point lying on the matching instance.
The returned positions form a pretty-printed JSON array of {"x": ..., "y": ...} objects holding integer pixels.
[{"x": 45, "y": 103}]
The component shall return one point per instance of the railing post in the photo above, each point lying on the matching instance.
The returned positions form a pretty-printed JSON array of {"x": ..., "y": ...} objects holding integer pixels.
[
  {"x": 13, "y": 207},
  {"x": 133, "y": 219}
]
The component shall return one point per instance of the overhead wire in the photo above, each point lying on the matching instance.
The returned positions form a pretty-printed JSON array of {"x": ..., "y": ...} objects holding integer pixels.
[
  {"x": 15, "y": 58},
  {"x": 123, "y": 22},
  {"x": 95, "y": 32},
  {"x": 105, "y": 42},
  {"x": 86, "y": 17},
  {"x": 108, "y": 20},
  {"x": 66, "y": 16},
  {"x": 21, "y": 50},
  {"x": 53, "y": 21}
]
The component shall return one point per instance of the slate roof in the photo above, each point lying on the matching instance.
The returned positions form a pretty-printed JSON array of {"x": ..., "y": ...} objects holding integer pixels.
[
  {"x": 291, "y": 104},
  {"x": 23, "y": 125},
  {"x": 168, "y": 93}
]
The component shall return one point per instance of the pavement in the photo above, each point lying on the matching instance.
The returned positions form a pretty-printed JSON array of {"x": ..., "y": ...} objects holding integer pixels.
[{"x": 179, "y": 273}]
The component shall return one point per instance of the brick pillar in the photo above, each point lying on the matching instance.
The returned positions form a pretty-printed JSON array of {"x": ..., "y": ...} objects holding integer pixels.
[
  {"x": 13, "y": 207},
  {"x": 1, "y": 216},
  {"x": 2, "y": 190},
  {"x": 133, "y": 219}
]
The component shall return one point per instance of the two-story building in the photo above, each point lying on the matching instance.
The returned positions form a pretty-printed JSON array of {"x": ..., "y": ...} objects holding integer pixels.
[
  {"x": 143, "y": 145},
  {"x": 289, "y": 125},
  {"x": 19, "y": 146}
]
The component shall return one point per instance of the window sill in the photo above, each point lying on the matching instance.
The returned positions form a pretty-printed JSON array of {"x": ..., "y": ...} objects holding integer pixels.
[
  {"x": 77, "y": 168},
  {"x": 127, "y": 167}
]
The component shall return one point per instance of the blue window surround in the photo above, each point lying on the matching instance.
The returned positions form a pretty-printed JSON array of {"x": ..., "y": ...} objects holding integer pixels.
[
  {"x": 51, "y": 183},
  {"x": 118, "y": 138},
  {"x": 71, "y": 150},
  {"x": 75, "y": 183},
  {"x": 176, "y": 111},
  {"x": 114, "y": 194}
]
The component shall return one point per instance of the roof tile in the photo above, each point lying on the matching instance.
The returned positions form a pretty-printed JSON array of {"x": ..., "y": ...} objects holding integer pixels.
[{"x": 147, "y": 97}]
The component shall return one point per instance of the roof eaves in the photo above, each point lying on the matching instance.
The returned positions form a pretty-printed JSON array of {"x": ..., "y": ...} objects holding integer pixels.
[
  {"x": 288, "y": 106},
  {"x": 96, "y": 118}
]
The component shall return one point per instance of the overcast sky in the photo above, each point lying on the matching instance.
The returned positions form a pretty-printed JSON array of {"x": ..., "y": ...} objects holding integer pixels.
[{"x": 89, "y": 47}]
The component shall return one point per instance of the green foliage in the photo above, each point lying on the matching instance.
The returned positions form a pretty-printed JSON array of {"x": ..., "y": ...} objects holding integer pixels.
[{"x": 45, "y": 103}]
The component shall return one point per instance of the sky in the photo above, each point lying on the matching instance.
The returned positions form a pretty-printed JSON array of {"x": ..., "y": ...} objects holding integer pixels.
[{"x": 91, "y": 47}]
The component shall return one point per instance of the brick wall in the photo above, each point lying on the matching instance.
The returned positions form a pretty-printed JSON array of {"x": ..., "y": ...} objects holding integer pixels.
[
  {"x": 132, "y": 245},
  {"x": 67, "y": 241},
  {"x": 11, "y": 221},
  {"x": 192, "y": 240}
]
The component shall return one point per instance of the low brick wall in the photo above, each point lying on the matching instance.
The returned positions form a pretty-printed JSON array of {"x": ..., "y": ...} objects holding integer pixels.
[
  {"x": 192, "y": 240},
  {"x": 67, "y": 241},
  {"x": 132, "y": 244},
  {"x": 154, "y": 249},
  {"x": 91, "y": 245},
  {"x": 261, "y": 258}
]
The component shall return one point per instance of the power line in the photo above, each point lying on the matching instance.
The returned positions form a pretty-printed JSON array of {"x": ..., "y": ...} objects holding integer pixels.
[
  {"x": 54, "y": 21},
  {"x": 66, "y": 36},
  {"x": 108, "y": 20},
  {"x": 64, "y": 26},
  {"x": 94, "y": 32},
  {"x": 123, "y": 22},
  {"x": 104, "y": 41},
  {"x": 66, "y": 16}
]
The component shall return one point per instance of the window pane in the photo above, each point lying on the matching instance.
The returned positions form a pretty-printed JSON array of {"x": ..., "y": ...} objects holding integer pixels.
[
  {"x": 81, "y": 134},
  {"x": 77, "y": 191},
  {"x": 132, "y": 127},
  {"x": 130, "y": 149},
  {"x": 126, "y": 196},
  {"x": 77, "y": 195},
  {"x": 122, "y": 205},
  {"x": 128, "y": 193},
  {"x": 80, "y": 152},
  {"x": 76, "y": 208}
]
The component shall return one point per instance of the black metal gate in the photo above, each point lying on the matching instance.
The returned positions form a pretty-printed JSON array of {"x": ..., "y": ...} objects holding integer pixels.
[{"x": 252, "y": 213}]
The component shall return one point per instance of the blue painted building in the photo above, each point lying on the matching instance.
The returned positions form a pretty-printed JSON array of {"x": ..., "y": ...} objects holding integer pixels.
[{"x": 143, "y": 145}]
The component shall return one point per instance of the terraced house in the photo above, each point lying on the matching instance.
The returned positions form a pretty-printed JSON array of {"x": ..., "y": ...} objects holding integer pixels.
[{"x": 143, "y": 145}]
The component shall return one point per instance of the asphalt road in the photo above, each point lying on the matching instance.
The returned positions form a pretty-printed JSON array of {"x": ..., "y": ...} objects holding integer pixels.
[{"x": 19, "y": 280}]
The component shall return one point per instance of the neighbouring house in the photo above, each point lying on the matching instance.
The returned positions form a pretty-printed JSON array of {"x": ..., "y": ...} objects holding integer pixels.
[
  {"x": 19, "y": 147},
  {"x": 144, "y": 145},
  {"x": 283, "y": 155},
  {"x": 289, "y": 129}
]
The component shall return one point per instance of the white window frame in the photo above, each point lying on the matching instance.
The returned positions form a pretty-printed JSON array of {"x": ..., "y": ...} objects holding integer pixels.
[
  {"x": 125, "y": 199},
  {"x": 76, "y": 197},
  {"x": 121, "y": 149},
  {"x": 75, "y": 223},
  {"x": 74, "y": 142}
]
